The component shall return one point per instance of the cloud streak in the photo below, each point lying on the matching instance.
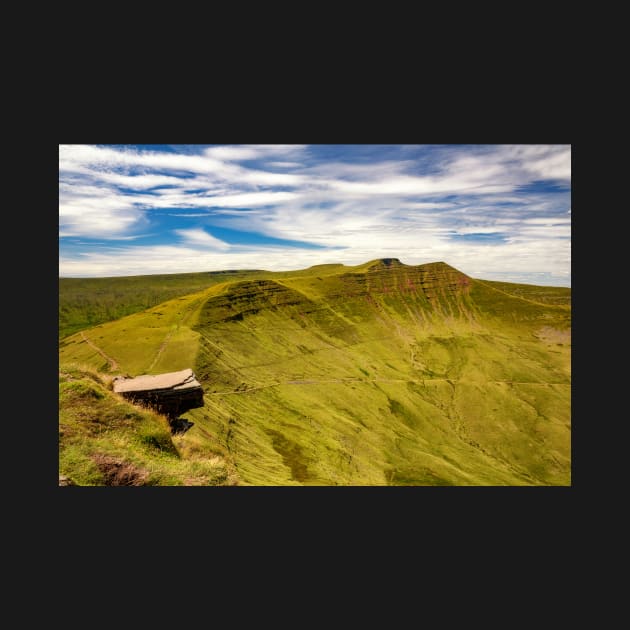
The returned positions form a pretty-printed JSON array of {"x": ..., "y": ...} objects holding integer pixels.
[{"x": 202, "y": 239}]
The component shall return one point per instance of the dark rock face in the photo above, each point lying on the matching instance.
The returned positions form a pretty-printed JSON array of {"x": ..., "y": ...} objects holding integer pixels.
[
  {"x": 170, "y": 403},
  {"x": 180, "y": 425},
  {"x": 389, "y": 262}
]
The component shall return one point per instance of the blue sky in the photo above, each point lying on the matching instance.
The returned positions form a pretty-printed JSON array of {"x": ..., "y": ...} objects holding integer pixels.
[{"x": 493, "y": 211}]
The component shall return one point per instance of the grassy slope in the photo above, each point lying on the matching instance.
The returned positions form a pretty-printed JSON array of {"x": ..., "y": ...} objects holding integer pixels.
[
  {"x": 374, "y": 375},
  {"x": 545, "y": 295},
  {"x": 103, "y": 440}
]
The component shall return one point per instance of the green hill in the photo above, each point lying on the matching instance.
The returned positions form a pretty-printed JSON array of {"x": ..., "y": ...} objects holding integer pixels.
[{"x": 378, "y": 374}]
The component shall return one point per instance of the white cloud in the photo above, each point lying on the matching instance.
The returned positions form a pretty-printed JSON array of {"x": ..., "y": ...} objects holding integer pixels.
[
  {"x": 246, "y": 199},
  {"x": 547, "y": 221},
  {"x": 543, "y": 161},
  {"x": 96, "y": 212},
  {"x": 201, "y": 237},
  {"x": 428, "y": 205},
  {"x": 81, "y": 156},
  {"x": 251, "y": 176},
  {"x": 231, "y": 153}
]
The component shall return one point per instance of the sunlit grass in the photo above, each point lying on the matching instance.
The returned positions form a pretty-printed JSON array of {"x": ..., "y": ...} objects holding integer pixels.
[{"x": 371, "y": 375}]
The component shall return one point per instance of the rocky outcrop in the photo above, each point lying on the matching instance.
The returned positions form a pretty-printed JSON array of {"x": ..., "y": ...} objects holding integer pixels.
[{"x": 171, "y": 394}]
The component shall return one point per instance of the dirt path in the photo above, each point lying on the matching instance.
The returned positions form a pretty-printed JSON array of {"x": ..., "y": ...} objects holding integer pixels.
[
  {"x": 562, "y": 307},
  {"x": 160, "y": 350},
  {"x": 189, "y": 310},
  {"x": 452, "y": 381},
  {"x": 113, "y": 366}
]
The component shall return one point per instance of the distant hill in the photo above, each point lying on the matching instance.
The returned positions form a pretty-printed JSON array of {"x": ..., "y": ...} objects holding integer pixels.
[{"x": 382, "y": 373}]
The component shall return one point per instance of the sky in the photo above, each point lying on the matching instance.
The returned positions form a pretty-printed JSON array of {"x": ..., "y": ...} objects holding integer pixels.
[{"x": 495, "y": 212}]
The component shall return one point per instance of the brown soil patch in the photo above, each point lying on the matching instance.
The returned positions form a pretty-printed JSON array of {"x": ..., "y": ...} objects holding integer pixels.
[
  {"x": 118, "y": 472},
  {"x": 553, "y": 335}
]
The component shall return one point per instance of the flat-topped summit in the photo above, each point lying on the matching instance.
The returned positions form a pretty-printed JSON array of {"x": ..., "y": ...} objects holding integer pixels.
[{"x": 385, "y": 263}]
